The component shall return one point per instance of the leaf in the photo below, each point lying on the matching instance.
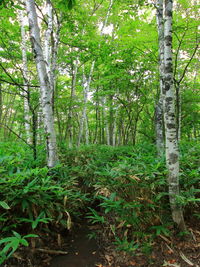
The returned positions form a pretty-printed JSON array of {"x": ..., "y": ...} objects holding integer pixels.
[
  {"x": 24, "y": 242},
  {"x": 6, "y": 240},
  {"x": 4, "y": 205},
  {"x": 30, "y": 235},
  {"x": 186, "y": 259},
  {"x": 16, "y": 235},
  {"x": 167, "y": 264},
  {"x": 69, "y": 221}
]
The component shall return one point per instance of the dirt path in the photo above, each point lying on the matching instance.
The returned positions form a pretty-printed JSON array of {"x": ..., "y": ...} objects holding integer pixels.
[{"x": 82, "y": 251}]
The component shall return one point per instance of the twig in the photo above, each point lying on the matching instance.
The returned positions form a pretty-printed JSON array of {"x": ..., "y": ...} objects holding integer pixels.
[{"x": 53, "y": 252}]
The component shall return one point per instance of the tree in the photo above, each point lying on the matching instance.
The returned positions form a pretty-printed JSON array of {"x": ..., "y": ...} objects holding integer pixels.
[
  {"x": 159, "y": 106},
  {"x": 45, "y": 84},
  {"x": 172, "y": 151}
]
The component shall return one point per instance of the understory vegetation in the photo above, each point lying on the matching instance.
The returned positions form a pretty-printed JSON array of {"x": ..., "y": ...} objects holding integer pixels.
[{"x": 122, "y": 189}]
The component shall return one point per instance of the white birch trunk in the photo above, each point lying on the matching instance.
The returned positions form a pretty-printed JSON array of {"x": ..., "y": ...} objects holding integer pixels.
[
  {"x": 25, "y": 76},
  {"x": 73, "y": 90},
  {"x": 172, "y": 152},
  {"x": 48, "y": 45},
  {"x": 45, "y": 86},
  {"x": 83, "y": 121},
  {"x": 179, "y": 117},
  {"x": 159, "y": 106},
  {"x": 105, "y": 126}
]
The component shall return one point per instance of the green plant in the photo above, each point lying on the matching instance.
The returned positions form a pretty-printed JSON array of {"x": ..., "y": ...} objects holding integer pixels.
[
  {"x": 12, "y": 243},
  {"x": 95, "y": 217}
]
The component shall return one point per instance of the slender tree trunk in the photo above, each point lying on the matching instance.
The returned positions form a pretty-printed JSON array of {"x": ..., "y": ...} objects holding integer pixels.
[
  {"x": 172, "y": 152},
  {"x": 83, "y": 121},
  {"x": 178, "y": 111},
  {"x": 25, "y": 76},
  {"x": 73, "y": 92},
  {"x": 45, "y": 84},
  {"x": 105, "y": 121},
  {"x": 159, "y": 107},
  {"x": 48, "y": 45},
  {"x": 34, "y": 134}
]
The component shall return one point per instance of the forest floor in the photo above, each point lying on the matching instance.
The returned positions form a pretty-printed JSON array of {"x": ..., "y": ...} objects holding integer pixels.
[{"x": 75, "y": 249}]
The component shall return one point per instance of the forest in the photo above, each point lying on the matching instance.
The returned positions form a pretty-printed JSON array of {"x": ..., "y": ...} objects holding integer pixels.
[{"x": 99, "y": 133}]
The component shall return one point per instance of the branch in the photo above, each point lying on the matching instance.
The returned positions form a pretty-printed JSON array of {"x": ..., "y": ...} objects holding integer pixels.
[
  {"x": 7, "y": 127},
  {"x": 43, "y": 16},
  {"x": 18, "y": 84},
  {"x": 187, "y": 65},
  {"x": 179, "y": 46},
  {"x": 12, "y": 93}
]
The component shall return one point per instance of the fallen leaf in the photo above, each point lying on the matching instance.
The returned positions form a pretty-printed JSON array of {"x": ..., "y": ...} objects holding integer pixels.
[
  {"x": 186, "y": 259},
  {"x": 108, "y": 258},
  {"x": 132, "y": 263},
  {"x": 168, "y": 264},
  {"x": 134, "y": 178},
  {"x": 171, "y": 261}
]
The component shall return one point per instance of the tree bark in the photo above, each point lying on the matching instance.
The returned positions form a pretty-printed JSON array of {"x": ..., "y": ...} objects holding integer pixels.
[
  {"x": 45, "y": 84},
  {"x": 25, "y": 76},
  {"x": 48, "y": 46},
  {"x": 159, "y": 107},
  {"x": 172, "y": 151},
  {"x": 83, "y": 121}
]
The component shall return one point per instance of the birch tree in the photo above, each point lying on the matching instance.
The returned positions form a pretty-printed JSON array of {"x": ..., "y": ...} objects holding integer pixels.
[
  {"x": 25, "y": 76},
  {"x": 172, "y": 151},
  {"x": 45, "y": 84},
  {"x": 159, "y": 106}
]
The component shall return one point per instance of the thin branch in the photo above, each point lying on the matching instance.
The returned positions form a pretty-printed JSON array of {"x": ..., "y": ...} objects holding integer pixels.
[
  {"x": 187, "y": 65},
  {"x": 12, "y": 93},
  {"x": 18, "y": 84},
  {"x": 7, "y": 127},
  {"x": 177, "y": 52},
  {"x": 43, "y": 16}
]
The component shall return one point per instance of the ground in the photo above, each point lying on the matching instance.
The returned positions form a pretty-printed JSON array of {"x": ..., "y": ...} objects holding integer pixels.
[{"x": 74, "y": 249}]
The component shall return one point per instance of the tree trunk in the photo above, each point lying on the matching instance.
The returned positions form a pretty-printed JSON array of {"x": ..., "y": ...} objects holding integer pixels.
[
  {"x": 159, "y": 106},
  {"x": 48, "y": 45},
  {"x": 172, "y": 152},
  {"x": 45, "y": 84},
  {"x": 25, "y": 76},
  {"x": 83, "y": 121},
  {"x": 74, "y": 68}
]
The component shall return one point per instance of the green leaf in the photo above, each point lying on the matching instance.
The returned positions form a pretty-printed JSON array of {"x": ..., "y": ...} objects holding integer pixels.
[
  {"x": 16, "y": 235},
  {"x": 30, "y": 235},
  {"x": 4, "y": 205}
]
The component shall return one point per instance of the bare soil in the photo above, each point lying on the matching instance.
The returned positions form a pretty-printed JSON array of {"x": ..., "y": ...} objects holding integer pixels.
[{"x": 80, "y": 251}]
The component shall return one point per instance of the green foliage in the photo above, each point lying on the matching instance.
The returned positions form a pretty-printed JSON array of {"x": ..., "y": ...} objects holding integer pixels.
[
  {"x": 67, "y": 3},
  {"x": 130, "y": 186},
  {"x": 33, "y": 197},
  {"x": 12, "y": 243}
]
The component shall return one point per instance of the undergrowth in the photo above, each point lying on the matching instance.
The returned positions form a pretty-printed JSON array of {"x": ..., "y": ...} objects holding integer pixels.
[{"x": 124, "y": 189}]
